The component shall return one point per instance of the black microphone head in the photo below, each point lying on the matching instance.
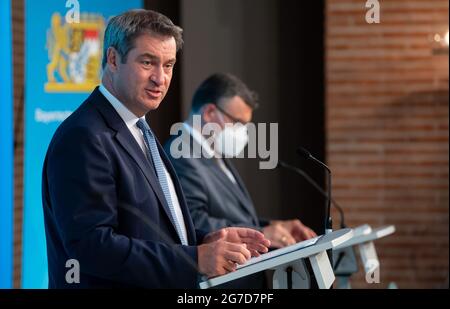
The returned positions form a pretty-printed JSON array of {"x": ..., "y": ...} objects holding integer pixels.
[
  {"x": 280, "y": 164},
  {"x": 302, "y": 152}
]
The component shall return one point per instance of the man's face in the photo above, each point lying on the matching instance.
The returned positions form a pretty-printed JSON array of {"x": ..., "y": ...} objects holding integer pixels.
[
  {"x": 231, "y": 111},
  {"x": 142, "y": 82}
]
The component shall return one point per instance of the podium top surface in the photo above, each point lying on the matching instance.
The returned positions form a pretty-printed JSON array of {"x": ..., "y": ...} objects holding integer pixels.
[
  {"x": 365, "y": 233},
  {"x": 282, "y": 256}
]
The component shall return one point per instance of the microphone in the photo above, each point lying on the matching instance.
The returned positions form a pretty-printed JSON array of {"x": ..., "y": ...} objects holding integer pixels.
[
  {"x": 308, "y": 178},
  {"x": 345, "y": 253},
  {"x": 302, "y": 152}
]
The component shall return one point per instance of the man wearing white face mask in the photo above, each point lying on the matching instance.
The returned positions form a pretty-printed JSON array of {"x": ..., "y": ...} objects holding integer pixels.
[
  {"x": 215, "y": 194},
  {"x": 233, "y": 137}
]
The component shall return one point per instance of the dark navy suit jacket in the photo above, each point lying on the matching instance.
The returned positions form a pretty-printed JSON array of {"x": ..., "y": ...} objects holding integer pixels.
[
  {"x": 104, "y": 207},
  {"x": 214, "y": 201}
]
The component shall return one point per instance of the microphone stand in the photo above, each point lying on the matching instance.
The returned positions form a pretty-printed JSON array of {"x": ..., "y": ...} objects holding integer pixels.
[
  {"x": 308, "y": 178},
  {"x": 347, "y": 254},
  {"x": 328, "y": 220}
]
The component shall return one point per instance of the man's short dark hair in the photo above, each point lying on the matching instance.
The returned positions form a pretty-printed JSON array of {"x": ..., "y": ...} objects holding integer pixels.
[
  {"x": 123, "y": 29},
  {"x": 222, "y": 86}
]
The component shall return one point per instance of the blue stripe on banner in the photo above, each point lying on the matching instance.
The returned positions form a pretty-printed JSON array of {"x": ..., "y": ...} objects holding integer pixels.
[
  {"x": 6, "y": 142},
  {"x": 56, "y": 84}
]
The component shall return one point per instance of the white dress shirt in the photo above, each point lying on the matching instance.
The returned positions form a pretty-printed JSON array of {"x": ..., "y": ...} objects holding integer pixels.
[
  {"x": 130, "y": 120},
  {"x": 198, "y": 137}
]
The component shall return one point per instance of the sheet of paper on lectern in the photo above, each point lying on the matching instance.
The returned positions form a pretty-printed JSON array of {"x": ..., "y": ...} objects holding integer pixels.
[{"x": 281, "y": 251}]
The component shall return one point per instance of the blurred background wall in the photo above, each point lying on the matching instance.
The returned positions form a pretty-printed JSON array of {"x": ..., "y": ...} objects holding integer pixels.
[
  {"x": 387, "y": 131},
  {"x": 259, "y": 41},
  {"x": 369, "y": 99}
]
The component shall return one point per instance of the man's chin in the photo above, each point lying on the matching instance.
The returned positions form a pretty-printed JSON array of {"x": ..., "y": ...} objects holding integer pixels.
[
  {"x": 155, "y": 105},
  {"x": 151, "y": 104}
]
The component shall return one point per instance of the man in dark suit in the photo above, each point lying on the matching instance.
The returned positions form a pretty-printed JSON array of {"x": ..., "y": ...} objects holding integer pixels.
[
  {"x": 215, "y": 193},
  {"x": 111, "y": 198}
]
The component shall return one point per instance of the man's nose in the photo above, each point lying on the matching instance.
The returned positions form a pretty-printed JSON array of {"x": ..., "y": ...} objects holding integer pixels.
[{"x": 157, "y": 76}]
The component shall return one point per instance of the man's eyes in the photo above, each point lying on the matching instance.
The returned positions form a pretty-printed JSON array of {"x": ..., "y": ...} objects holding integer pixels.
[{"x": 150, "y": 63}]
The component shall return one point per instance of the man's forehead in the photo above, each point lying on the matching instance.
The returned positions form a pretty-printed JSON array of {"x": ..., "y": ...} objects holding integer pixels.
[
  {"x": 155, "y": 57},
  {"x": 155, "y": 40},
  {"x": 155, "y": 45},
  {"x": 235, "y": 101}
]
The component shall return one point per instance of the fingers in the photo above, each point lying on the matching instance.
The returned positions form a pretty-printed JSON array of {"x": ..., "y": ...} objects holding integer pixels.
[
  {"x": 229, "y": 266},
  {"x": 288, "y": 240},
  {"x": 310, "y": 233},
  {"x": 301, "y": 234},
  {"x": 253, "y": 238},
  {"x": 278, "y": 235},
  {"x": 255, "y": 253},
  {"x": 285, "y": 240},
  {"x": 283, "y": 236},
  {"x": 248, "y": 233},
  {"x": 277, "y": 244},
  {"x": 301, "y": 231},
  {"x": 214, "y": 236},
  {"x": 236, "y": 253},
  {"x": 260, "y": 245},
  {"x": 260, "y": 248},
  {"x": 298, "y": 230},
  {"x": 220, "y": 257}
]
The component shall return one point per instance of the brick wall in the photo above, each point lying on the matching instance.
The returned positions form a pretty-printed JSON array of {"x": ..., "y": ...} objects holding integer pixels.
[{"x": 387, "y": 132}]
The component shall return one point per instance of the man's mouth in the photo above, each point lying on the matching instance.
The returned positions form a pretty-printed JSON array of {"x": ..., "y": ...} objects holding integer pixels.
[{"x": 155, "y": 94}]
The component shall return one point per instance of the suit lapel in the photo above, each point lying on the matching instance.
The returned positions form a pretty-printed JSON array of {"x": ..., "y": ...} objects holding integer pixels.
[
  {"x": 238, "y": 188},
  {"x": 127, "y": 141},
  {"x": 213, "y": 166},
  {"x": 132, "y": 148},
  {"x": 239, "y": 181}
]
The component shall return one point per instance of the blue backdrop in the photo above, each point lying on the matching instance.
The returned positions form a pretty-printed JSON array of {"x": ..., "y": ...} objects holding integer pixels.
[
  {"x": 62, "y": 63},
  {"x": 6, "y": 142}
]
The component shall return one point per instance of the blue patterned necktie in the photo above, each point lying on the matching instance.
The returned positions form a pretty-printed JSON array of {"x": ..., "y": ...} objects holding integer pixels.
[{"x": 153, "y": 152}]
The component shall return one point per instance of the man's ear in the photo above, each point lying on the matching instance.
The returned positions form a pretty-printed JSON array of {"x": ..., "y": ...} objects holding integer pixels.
[
  {"x": 112, "y": 59},
  {"x": 209, "y": 113}
]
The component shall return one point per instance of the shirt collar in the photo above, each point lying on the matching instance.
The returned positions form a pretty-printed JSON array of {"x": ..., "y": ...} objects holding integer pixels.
[
  {"x": 198, "y": 137},
  {"x": 127, "y": 116}
]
